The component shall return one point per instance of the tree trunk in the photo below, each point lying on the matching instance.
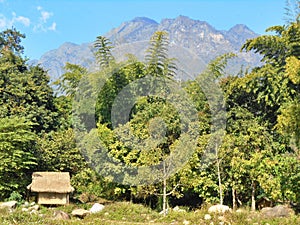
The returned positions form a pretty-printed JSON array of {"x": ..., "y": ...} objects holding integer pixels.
[
  {"x": 164, "y": 190},
  {"x": 219, "y": 178},
  {"x": 253, "y": 203},
  {"x": 234, "y": 206}
]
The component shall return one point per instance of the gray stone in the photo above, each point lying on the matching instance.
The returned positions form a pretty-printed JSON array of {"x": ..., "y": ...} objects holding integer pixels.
[
  {"x": 186, "y": 222},
  {"x": 277, "y": 211},
  {"x": 162, "y": 212},
  {"x": 9, "y": 205},
  {"x": 35, "y": 207},
  {"x": 80, "y": 213},
  {"x": 97, "y": 208},
  {"x": 61, "y": 215},
  {"x": 219, "y": 209},
  {"x": 177, "y": 209},
  {"x": 25, "y": 210}
]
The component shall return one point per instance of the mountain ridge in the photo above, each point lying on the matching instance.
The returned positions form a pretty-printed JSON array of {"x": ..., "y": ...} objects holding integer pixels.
[{"x": 187, "y": 36}]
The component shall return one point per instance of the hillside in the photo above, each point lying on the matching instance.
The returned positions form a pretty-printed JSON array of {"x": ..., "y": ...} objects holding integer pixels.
[{"x": 194, "y": 43}]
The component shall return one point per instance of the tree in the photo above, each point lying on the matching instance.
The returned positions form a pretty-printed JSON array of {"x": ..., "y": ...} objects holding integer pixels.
[
  {"x": 10, "y": 40},
  {"x": 16, "y": 154},
  {"x": 288, "y": 119},
  {"x": 158, "y": 63},
  {"x": 103, "y": 53},
  {"x": 57, "y": 151},
  {"x": 68, "y": 82},
  {"x": 25, "y": 90}
]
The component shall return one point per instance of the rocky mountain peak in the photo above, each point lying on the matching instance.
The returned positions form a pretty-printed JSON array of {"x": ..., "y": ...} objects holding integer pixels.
[
  {"x": 144, "y": 20},
  {"x": 186, "y": 22},
  {"x": 185, "y": 35},
  {"x": 241, "y": 29}
]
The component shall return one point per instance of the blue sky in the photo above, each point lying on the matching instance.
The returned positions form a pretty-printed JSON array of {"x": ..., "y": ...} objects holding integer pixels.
[{"x": 49, "y": 23}]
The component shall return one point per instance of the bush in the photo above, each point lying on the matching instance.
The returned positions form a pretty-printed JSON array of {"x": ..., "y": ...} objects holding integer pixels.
[{"x": 15, "y": 196}]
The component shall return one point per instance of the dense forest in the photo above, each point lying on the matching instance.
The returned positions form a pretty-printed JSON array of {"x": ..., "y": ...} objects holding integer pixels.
[{"x": 131, "y": 131}]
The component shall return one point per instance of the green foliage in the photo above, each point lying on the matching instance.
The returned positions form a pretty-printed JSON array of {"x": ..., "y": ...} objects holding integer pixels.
[
  {"x": 68, "y": 82},
  {"x": 103, "y": 51},
  {"x": 90, "y": 186},
  {"x": 259, "y": 155},
  {"x": 16, "y": 154},
  {"x": 15, "y": 196},
  {"x": 10, "y": 40},
  {"x": 275, "y": 49},
  {"x": 158, "y": 63},
  {"x": 120, "y": 77},
  {"x": 24, "y": 91},
  {"x": 57, "y": 151}
]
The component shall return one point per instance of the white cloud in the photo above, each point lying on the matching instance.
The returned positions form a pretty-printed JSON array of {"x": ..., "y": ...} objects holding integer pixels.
[
  {"x": 45, "y": 16},
  {"x": 9, "y": 22},
  {"x": 43, "y": 20},
  {"x": 52, "y": 27},
  {"x": 20, "y": 19},
  {"x": 24, "y": 20},
  {"x": 41, "y": 24}
]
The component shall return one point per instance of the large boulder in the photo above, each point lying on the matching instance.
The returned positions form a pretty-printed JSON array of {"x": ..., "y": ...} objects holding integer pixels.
[
  {"x": 277, "y": 211},
  {"x": 81, "y": 213},
  {"x": 9, "y": 205},
  {"x": 97, "y": 208},
  {"x": 61, "y": 215},
  {"x": 219, "y": 209},
  {"x": 34, "y": 208}
]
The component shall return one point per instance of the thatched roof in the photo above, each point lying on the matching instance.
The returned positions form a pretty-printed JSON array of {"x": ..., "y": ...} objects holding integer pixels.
[{"x": 55, "y": 182}]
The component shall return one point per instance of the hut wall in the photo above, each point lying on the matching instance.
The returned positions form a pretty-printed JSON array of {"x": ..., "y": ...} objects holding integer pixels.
[{"x": 53, "y": 198}]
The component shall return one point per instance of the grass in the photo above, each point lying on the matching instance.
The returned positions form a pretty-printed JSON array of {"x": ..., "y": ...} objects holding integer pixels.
[{"x": 118, "y": 213}]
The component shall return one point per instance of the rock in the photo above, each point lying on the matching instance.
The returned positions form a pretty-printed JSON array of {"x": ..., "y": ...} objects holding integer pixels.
[
  {"x": 26, "y": 204},
  {"x": 33, "y": 211},
  {"x": 80, "y": 213},
  {"x": 219, "y": 209},
  {"x": 34, "y": 208},
  {"x": 61, "y": 215},
  {"x": 186, "y": 222},
  {"x": 207, "y": 217},
  {"x": 97, "y": 208},
  {"x": 24, "y": 209},
  {"x": 177, "y": 209},
  {"x": 277, "y": 211},
  {"x": 9, "y": 205},
  {"x": 162, "y": 212}
]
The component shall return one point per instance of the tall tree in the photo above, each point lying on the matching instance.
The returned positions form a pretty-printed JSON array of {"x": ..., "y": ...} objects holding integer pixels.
[
  {"x": 10, "y": 40},
  {"x": 16, "y": 154},
  {"x": 103, "y": 49},
  {"x": 158, "y": 62},
  {"x": 25, "y": 90}
]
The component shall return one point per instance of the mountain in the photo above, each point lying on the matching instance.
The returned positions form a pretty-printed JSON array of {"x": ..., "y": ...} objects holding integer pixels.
[{"x": 194, "y": 43}]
